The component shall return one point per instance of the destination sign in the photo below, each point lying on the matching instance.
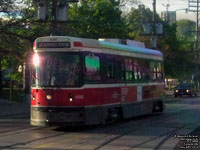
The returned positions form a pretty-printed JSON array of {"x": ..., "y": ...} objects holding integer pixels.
[{"x": 53, "y": 44}]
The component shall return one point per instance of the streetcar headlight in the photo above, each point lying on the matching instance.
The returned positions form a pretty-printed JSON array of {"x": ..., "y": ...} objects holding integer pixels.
[
  {"x": 70, "y": 99},
  {"x": 33, "y": 97},
  {"x": 176, "y": 91},
  {"x": 48, "y": 97},
  {"x": 187, "y": 91}
]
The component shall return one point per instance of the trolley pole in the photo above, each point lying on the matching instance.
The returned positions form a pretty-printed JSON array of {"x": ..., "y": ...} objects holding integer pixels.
[{"x": 154, "y": 37}]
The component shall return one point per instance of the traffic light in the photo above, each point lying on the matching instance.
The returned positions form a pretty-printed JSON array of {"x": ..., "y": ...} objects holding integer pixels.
[
  {"x": 42, "y": 10},
  {"x": 62, "y": 10}
]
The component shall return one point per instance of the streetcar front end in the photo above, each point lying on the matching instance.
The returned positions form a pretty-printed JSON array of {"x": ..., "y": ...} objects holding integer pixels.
[{"x": 56, "y": 76}]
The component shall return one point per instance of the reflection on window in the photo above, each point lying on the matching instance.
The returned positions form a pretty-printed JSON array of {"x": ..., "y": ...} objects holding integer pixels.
[
  {"x": 57, "y": 69},
  {"x": 113, "y": 69},
  {"x": 92, "y": 66},
  {"x": 136, "y": 70},
  {"x": 129, "y": 65},
  {"x": 159, "y": 71},
  {"x": 153, "y": 70},
  {"x": 156, "y": 70}
]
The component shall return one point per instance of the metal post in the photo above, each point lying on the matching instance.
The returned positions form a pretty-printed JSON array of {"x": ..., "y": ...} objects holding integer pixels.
[
  {"x": 11, "y": 91},
  {"x": 197, "y": 43},
  {"x": 1, "y": 76},
  {"x": 194, "y": 7},
  {"x": 154, "y": 38}
]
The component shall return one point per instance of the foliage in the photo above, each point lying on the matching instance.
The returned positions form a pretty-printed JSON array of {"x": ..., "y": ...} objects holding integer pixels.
[
  {"x": 177, "y": 54},
  {"x": 17, "y": 32},
  {"x": 185, "y": 29},
  {"x": 93, "y": 20},
  {"x": 135, "y": 20}
]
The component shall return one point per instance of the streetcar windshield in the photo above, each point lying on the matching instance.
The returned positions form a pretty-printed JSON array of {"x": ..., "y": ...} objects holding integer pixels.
[{"x": 56, "y": 70}]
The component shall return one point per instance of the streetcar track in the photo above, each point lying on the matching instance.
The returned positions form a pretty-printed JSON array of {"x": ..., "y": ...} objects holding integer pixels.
[
  {"x": 28, "y": 142},
  {"x": 20, "y": 131},
  {"x": 110, "y": 140},
  {"x": 155, "y": 138},
  {"x": 77, "y": 145},
  {"x": 168, "y": 136},
  {"x": 113, "y": 139}
]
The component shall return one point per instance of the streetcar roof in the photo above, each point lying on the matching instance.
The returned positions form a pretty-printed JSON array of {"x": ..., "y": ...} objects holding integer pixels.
[
  {"x": 134, "y": 49},
  {"x": 93, "y": 43}
]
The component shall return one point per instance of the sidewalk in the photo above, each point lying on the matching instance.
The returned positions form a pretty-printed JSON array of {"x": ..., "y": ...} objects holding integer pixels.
[{"x": 8, "y": 108}]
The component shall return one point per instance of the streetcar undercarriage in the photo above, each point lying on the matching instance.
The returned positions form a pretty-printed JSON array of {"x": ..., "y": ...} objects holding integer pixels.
[{"x": 92, "y": 115}]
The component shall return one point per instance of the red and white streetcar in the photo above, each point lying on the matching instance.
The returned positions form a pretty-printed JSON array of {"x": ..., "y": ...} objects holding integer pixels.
[{"x": 85, "y": 81}]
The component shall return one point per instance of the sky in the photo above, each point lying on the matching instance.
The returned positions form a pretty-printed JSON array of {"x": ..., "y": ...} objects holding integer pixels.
[{"x": 175, "y": 5}]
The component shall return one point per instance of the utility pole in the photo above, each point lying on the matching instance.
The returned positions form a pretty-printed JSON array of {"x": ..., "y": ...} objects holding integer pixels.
[
  {"x": 53, "y": 20},
  {"x": 197, "y": 44},
  {"x": 154, "y": 37},
  {"x": 153, "y": 28},
  {"x": 194, "y": 7},
  {"x": 1, "y": 76}
]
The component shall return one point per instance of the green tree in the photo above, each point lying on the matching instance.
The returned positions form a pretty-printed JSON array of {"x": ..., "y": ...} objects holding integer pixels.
[
  {"x": 135, "y": 20},
  {"x": 185, "y": 29},
  {"x": 178, "y": 56},
  {"x": 97, "y": 19},
  {"x": 15, "y": 36},
  {"x": 6, "y": 6}
]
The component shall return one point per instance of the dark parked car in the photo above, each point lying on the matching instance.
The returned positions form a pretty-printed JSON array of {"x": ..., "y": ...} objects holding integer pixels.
[{"x": 185, "y": 89}]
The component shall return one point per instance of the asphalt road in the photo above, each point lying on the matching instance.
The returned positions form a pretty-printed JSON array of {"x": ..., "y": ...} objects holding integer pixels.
[{"x": 150, "y": 132}]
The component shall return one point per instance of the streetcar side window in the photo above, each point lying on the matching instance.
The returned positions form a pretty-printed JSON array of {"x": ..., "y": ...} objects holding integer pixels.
[
  {"x": 129, "y": 65},
  {"x": 144, "y": 70},
  {"x": 156, "y": 69},
  {"x": 147, "y": 70},
  {"x": 137, "y": 70},
  {"x": 159, "y": 71},
  {"x": 112, "y": 69},
  {"x": 92, "y": 67},
  {"x": 153, "y": 70}
]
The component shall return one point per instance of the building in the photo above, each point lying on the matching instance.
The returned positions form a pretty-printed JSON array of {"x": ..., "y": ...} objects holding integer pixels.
[{"x": 168, "y": 16}]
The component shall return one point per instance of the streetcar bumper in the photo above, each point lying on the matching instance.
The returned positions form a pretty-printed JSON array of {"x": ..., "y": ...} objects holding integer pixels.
[{"x": 50, "y": 116}]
